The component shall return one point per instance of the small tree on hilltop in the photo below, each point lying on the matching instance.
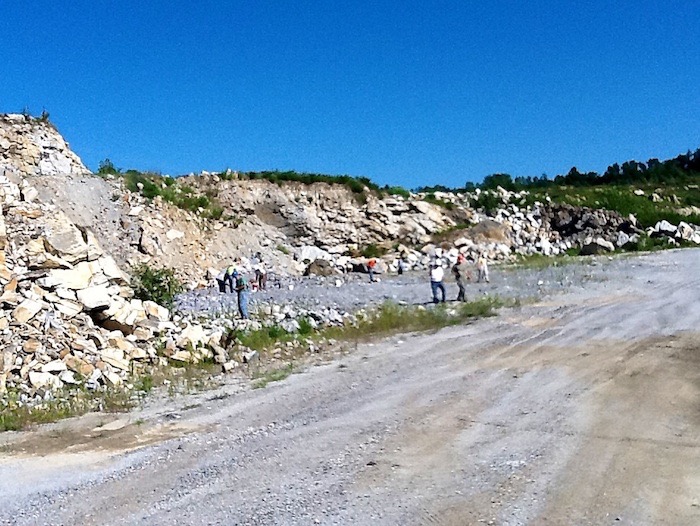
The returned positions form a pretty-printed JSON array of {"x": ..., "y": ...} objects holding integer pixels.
[{"x": 107, "y": 167}]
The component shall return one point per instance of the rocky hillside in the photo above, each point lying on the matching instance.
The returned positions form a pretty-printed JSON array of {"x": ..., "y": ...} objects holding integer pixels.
[
  {"x": 292, "y": 224},
  {"x": 69, "y": 239}
]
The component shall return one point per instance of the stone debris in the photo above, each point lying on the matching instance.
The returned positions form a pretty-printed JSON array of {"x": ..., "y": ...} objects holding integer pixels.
[{"x": 68, "y": 239}]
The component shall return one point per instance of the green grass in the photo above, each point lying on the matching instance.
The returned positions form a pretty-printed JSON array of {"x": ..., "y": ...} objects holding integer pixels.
[
  {"x": 392, "y": 318},
  {"x": 265, "y": 338},
  {"x": 623, "y": 200},
  {"x": 430, "y": 198},
  {"x": 75, "y": 401},
  {"x": 263, "y": 378},
  {"x": 540, "y": 261}
]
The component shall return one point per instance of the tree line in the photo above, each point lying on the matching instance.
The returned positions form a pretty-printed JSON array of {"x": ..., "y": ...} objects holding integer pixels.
[{"x": 684, "y": 168}]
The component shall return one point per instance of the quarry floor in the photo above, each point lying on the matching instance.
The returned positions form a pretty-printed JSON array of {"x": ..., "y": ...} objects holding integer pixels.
[{"x": 580, "y": 407}]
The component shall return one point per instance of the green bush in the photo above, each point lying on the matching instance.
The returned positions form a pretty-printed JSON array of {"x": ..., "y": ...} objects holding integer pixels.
[
  {"x": 430, "y": 198},
  {"x": 487, "y": 201},
  {"x": 156, "y": 284},
  {"x": 107, "y": 167},
  {"x": 305, "y": 327},
  {"x": 372, "y": 251},
  {"x": 397, "y": 190}
]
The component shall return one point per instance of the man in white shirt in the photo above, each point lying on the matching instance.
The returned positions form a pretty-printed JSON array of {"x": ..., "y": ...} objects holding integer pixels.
[{"x": 436, "y": 276}]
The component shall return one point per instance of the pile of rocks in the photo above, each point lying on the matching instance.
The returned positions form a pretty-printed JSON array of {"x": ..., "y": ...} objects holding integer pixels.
[
  {"x": 34, "y": 147},
  {"x": 676, "y": 233},
  {"x": 67, "y": 312}
]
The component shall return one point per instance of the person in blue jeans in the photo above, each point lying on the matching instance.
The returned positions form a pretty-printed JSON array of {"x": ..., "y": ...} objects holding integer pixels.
[
  {"x": 436, "y": 276},
  {"x": 242, "y": 290}
]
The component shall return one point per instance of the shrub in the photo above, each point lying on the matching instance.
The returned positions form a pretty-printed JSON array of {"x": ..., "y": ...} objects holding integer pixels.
[
  {"x": 488, "y": 202},
  {"x": 153, "y": 284},
  {"x": 107, "y": 167},
  {"x": 397, "y": 190},
  {"x": 305, "y": 327},
  {"x": 430, "y": 198},
  {"x": 372, "y": 251}
]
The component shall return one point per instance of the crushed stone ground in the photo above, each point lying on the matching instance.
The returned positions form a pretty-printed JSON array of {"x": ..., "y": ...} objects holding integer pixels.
[{"x": 578, "y": 408}]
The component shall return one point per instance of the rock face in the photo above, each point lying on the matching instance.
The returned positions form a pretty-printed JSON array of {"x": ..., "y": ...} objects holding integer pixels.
[
  {"x": 60, "y": 294},
  {"x": 68, "y": 239},
  {"x": 34, "y": 147}
]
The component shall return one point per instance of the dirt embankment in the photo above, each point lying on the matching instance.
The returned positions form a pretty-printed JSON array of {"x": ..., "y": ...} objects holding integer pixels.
[{"x": 579, "y": 409}]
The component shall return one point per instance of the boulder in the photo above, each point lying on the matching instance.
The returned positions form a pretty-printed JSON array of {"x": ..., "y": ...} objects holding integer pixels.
[
  {"x": 665, "y": 228},
  {"x": 25, "y": 311},
  {"x": 63, "y": 239},
  {"x": 320, "y": 267},
  {"x": 596, "y": 246},
  {"x": 95, "y": 298}
]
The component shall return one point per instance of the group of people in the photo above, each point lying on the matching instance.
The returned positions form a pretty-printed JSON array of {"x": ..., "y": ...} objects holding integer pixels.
[
  {"x": 234, "y": 279},
  {"x": 460, "y": 273}
]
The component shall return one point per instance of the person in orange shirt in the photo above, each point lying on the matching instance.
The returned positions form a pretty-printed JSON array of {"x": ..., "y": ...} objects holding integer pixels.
[{"x": 371, "y": 264}]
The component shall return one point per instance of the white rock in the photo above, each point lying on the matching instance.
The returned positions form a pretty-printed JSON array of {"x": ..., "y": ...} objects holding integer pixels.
[
  {"x": 25, "y": 311},
  {"x": 94, "y": 298},
  {"x": 173, "y": 234},
  {"x": 41, "y": 380}
]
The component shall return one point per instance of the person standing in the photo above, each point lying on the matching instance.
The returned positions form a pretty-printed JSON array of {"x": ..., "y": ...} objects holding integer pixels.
[
  {"x": 242, "y": 290},
  {"x": 371, "y": 264},
  {"x": 437, "y": 274},
  {"x": 458, "y": 272},
  {"x": 221, "y": 280},
  {"x": 482, "y": 269},
  {"x": 400, "y": 266},
  {"x": 229, "y": 278}
]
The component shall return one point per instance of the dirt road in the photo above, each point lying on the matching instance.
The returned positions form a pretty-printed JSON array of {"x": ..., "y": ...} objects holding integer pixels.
[{"x": 583, "y": 408}]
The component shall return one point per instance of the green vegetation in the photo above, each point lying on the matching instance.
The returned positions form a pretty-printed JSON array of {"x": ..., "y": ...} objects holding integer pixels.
[
  {"x": 623, "y": 200},
  {"x": 372, "y": 251},
  {"x": 78, "y": 400},
  {"x": 487, "y": 201},
  {"x": 152, "y": 185},
  {"x": 106, "y": 167},
  {"x": 392, "y": 318},
  {"x": 355, "y": 184},
  {"x": 156, "y": 284},
  {"x": 650, "y": 244},
  {"x": 396, "y": 190},
  {"x": 430, "y": 198},
  {"x": 264, "y": 338},
  {"x": 15, "y": 415},
  {"x": 540, "y": 261},
  {"x": 262, "y": 379}
]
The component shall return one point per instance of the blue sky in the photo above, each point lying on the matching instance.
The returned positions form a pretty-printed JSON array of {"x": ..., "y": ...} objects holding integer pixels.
[{"x": 404, "y": 92}]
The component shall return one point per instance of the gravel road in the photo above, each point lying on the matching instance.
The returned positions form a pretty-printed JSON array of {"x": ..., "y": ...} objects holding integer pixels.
[{"x": 578, "y": 408}]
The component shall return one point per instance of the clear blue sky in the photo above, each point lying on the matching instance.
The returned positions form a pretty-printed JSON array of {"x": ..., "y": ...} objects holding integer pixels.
[{"x": 404, "y": 92}]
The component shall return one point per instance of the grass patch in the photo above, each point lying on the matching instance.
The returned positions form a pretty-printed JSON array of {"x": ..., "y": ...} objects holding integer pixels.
[
  {"x": 265, "y": 338},
  {"x": 76, "y": 401},
  {"x": 392, "y": 318},
  {"x": 540, "y": 261},
  {"x": 430, "y": 198},
  {"x": 262, "y": 379},
  {"x": 16, "y": 415},
  {"x": 623, "y": 200}
]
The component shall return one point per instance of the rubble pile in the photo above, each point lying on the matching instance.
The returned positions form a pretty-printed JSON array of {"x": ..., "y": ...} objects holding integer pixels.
[{"x": 33, "y": 147}]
